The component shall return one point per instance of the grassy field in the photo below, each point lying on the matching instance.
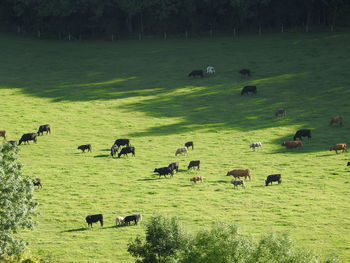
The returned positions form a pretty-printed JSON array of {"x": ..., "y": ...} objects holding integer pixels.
[{"x": 96, "y": 92}]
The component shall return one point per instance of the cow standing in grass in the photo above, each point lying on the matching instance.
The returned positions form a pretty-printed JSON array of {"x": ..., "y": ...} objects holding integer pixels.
[
  {"x": 93, "y": 219},
  {"x": 239, "y": 173},
  {"x": 182, "y": 150},
  {"x": 256, "y": 145},
  {"x": 85, "y": 147},
  {"x": 302, "y": 133},
  {"x": 236, "y": 183},
  {"x": 27, "y": 137},
  {"x": 3, "y": 134},
  {"x": 337, "y": 120},
  {"x": 338, "y": 147},
  {"x": 273, "y": 178},
  {"x": 44, "y": 128}
]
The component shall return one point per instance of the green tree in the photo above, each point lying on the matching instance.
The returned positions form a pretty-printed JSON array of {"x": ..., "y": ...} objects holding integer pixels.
[
  {"x": 17, "y": 204},
  {"x": 164, "y": 241},
  {"x": 223, "y": 243}
]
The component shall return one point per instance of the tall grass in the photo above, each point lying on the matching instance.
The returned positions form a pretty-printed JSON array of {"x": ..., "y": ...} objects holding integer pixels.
[{"x": 96, "y": 92}]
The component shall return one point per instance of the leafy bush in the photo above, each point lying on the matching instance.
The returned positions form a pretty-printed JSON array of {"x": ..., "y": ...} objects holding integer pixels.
[
  {"x": 17, "y": 205},
  {"x": 166, "y": 242}
]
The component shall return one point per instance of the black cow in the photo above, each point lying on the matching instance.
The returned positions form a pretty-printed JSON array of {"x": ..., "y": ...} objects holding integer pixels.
[
  {"x": 127, "y": 150},
  {"x": 273, "y": 178},
  {"x": 174, "y": 166},
  {"x": 27, "y": 137},
  {"x": 128, "y": 219},
  {"x": 348, "y": 164},
  {"x": 37, "y": 182},
  {"x": 12, "y": 142},
  {"x": 194, "y": 164},
  {"x": 194, "y": 73},
  {"x": 85, "y": 147},
  {"x": 244, "y": 72},
  {"x": 164, "y": 171},
  {"x": 302, "y": 133},
  {"x": 122, "y": 142},
  {"x": 44, "y": 128},
  {"x": 93, "y": 219},
  {"x": 189, "y": 144},
  {"x": 248, "y": 89},
  {"x": 114, "y": 150}
]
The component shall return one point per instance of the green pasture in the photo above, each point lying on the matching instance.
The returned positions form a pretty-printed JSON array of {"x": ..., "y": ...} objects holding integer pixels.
[{"x": 96, "y": 92}]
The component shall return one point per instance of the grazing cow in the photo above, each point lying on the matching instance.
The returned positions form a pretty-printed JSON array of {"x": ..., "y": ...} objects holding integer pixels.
[
  {"x": 114, "y": 150},
  {"x": 93, "y": 219},
  {"x": 85, "y": 147},
  {"x": 119, "y": 220},
  {"x": 197, "y": 178},
  {"x": 122, "y": 142},
  {"x": 237, "y": 183},
  {"x": 210, "y": 70},
  {"x": 189, "y": 144},
  {"x": 174, "y": 166},
  {"x": 195, "y": 73},
  {"x": 281, "y": 112},
  {"x": 128, "y": 219},
  {"x": 3, "y": 134},
  {"x": 194, "y": 164},
  {"x": 138, "y": 217},
  {"x": 292, "y": 144},
  {"x": 338, "y": 120},
  {"x": 348, "y": 164},
  {"x": 164, "y": 171},
  {"x": 239, "y": 173},
  {"x": 273, "y": 178},
  {"x": 27, "y": 137},
  {"x": 126, "y": 150},
  {"x": 37, "y": 182},
  {"x": 338, "y": 147},
  {"x": 256, "y": 145},
  {"x": 247, "y": 89},
  {"x": 302, "y": 133},
  {"x": 12, "y": 142},
  {"x": 44, "y": 128},
  {"x": 182, "y": 150},
  {"x": 244, "y": 72}
]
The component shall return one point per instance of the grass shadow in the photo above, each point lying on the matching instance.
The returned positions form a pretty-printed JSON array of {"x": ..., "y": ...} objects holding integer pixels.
[
  {"x": 75, "y": 230},
  {"x": 101, "y": 155}
]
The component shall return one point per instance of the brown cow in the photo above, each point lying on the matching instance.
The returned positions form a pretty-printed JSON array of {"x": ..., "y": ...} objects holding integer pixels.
[
  {"x": 239, "y": 173},
  {"x": 3, "y": 133},
  {"x": 292, "y": 144},
  {"x": 337, "y": 120},
  {"x": 338, "y": 147},
  {"x": 197, "y": 178}
]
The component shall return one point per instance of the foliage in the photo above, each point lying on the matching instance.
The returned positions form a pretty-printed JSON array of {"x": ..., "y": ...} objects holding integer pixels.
[
  {"x": 93, "y": 17},
  {"x": 164, "y": 239},
  {"x": 17, "y": 204},
  {"x": 223, "y": 243}
]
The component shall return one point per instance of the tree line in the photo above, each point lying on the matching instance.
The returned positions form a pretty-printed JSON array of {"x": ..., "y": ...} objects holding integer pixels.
[{"x": 119, "y": 18}]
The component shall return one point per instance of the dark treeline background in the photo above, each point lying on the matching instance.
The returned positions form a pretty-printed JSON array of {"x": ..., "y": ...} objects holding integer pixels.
[{"x": 121, "y": 18}]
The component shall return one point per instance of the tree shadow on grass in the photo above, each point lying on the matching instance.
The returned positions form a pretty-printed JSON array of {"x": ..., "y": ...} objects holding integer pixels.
[{"x": 213, "y": 104}]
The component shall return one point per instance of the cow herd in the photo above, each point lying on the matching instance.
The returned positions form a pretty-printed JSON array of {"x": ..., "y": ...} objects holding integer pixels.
[{"x": 237, "y": 174}]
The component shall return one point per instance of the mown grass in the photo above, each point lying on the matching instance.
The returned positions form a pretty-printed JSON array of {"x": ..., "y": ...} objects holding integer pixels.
[{"x": 96, "y": 92}]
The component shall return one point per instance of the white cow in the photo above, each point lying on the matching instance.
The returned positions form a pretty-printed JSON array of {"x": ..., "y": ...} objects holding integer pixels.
[
  {"x": 210, "y": 70},
  {"x": 255, "y": 145},
  {"x": 182, "y": 150}
]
